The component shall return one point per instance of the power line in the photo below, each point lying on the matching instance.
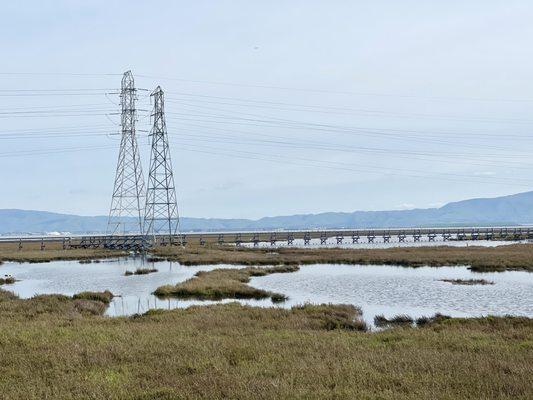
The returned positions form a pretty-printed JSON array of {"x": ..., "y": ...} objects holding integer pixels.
[
  {"x": 218, "y": 130},
  {"x": 275, "y": 159},
  {"x": 58, "y": 73},
  {"x": 326, "y": 128},
  {"x": 364, "y": 112},
  {"x": 57, "y": 90},
  {"x": 316, "y": 90},
  {"x": 52, "y": 151},
  {"x": 410, "y": 155}
]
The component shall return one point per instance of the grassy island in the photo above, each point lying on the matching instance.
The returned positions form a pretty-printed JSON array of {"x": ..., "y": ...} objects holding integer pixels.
[{"x": 225, "y": 284}]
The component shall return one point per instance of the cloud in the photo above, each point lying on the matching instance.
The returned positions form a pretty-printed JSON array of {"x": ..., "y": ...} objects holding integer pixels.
[{"x": 405, "y": 206}]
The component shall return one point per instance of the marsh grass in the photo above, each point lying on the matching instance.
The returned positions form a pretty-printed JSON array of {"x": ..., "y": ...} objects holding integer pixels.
[
  {"x": 154, "y": 259},
  {"x": 438, "y": 317},
  {"x": 221, "y": 284},
  {"x": 52, "y": 350},
  {"x": 468, "y": 281},
  {"x": 86, "y": 303},
  {"x": 31, "y": 253},
  {"x": 480, "y": 259},
  {"x": 400, "y": 319},
  {"x": 141, "y": 271},
  {"x": 103, "y": 297},
  {"x": 7, "y": 280},
  {"x": 405, "y": 320}
]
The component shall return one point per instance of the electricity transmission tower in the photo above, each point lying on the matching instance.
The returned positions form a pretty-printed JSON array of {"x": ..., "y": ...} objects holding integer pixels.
[
  {"x": 161, "y": 211},
  {"x": 126, "y": 213}
]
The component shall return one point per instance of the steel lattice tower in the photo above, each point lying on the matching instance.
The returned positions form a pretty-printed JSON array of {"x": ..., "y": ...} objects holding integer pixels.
[
  {"x": 126, "y": 213},
  {"x": 161, "y": 211}
]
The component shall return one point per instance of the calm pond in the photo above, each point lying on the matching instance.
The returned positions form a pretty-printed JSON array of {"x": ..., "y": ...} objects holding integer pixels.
[{"x": 378, "y": 289}]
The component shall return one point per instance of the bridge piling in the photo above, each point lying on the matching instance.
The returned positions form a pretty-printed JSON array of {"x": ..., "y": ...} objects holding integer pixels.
[
  {"x": 255, "y": 240},
  {"x": 290, "y": 239}
]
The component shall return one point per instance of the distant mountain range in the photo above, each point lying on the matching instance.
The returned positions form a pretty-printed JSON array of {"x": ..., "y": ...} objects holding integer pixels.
[{"x": 515, "y": 209}]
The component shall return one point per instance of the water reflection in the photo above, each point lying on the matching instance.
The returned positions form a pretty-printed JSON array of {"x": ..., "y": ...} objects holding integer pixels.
[{"x": 393, "y": 290}]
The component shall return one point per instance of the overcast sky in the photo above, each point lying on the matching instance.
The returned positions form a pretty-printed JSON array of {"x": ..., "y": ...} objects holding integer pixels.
[{"x": 273, "y": 107}]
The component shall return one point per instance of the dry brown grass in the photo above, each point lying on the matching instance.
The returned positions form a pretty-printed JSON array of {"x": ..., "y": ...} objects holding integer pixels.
[
  {"x": 103, "y": 297},
  {"x": 224, "y": 284},
  {"x": 31, "y": 252},
  {"x": 500, "y": 258},
  {"x": 54, "y": 305},
  {"x": 51, "y": 350}
]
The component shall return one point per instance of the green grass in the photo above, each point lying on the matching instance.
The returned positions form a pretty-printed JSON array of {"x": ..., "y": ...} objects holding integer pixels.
[
  {"x": 52, "y": 349},
  {"x": 225, "y": 284}
]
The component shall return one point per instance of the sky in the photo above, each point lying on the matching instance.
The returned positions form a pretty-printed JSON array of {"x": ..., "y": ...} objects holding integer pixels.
[{"x": 272, "y": 108}]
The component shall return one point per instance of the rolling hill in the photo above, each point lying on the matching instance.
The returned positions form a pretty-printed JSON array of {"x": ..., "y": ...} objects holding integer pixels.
[{"x": 515, "y": 209}]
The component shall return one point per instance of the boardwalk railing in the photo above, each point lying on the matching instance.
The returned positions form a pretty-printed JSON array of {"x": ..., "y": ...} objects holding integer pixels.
[{"x": 338, "y": 236}]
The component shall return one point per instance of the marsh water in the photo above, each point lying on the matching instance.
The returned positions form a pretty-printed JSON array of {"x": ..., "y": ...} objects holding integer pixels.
[{"x": 378, "y": 289}]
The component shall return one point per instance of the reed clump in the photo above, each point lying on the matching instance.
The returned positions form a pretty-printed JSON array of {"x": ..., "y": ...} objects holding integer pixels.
[
  {"x": 400, "y": 319},
  {"x": 7, "y": 280},
  {"x": 221, "y": 284},
  {"x": 104, "y": 297},
  {"x": 141, "y": 271},
  {"x": 86, "y": 303},
  {"x": 438, "y": 317},
  {"x": 154, "y": 259},
  {"x": 468, "y": 281},
  {"x": 338, "y": 316},
  {"x": 405, "y": 320}
]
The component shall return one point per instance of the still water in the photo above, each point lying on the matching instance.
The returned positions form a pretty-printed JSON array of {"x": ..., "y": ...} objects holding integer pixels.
[{"x": 384, "y": 290}]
